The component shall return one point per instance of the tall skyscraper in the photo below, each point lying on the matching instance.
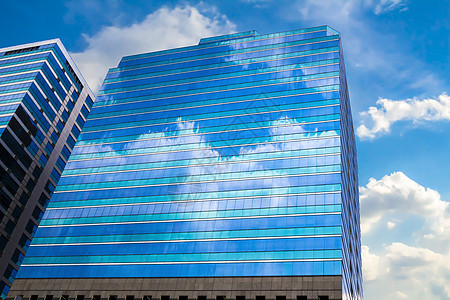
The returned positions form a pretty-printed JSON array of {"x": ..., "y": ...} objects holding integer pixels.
[
  {"x": 44, "y": 102},
  {"x": 221, "y": 170}
]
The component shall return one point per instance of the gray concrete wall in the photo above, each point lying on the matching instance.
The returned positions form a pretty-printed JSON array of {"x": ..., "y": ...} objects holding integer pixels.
[{"x": 211, "y": 287}]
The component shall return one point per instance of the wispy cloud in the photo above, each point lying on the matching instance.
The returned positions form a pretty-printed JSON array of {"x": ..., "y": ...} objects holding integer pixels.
[
  {"x": 162, "y": 29},
  {"x": 389, "y": 112},
  {"x": 385, "y": 6},
  {"x": 409, "y": 260},
  {"x": 373, "y": 53}
]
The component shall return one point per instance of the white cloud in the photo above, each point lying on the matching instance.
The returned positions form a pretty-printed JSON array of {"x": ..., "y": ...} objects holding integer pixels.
[
  {"x": 385, "y": 6},
  {"x": 392, "y": 111},
  {"x": 411, "y": 261},
  {"x": 344, "y": 11},
  {"x": 373, "y": 53},
  {"x": 390, "y": 224},
  {"x": 163, "y": 29},
  {"x": 410, "y": 272},
  {"x": 398, "y": 193},
  {"x": 257, "y": 3},
  {"x": 401, "y": 295},
  {"x": 371, "y": 264}
]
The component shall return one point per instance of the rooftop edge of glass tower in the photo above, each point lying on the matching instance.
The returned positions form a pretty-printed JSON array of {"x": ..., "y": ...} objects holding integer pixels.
[
  {"x": 62, "y": 48},
  {"x": 227, "y": 168}
]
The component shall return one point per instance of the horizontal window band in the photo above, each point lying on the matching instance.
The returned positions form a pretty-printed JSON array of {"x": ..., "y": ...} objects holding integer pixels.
[
  {"x": 182, "y": 164},
  {"x": 327, "y": 116},
  {"x": 172, "y": 207},
  {"x": 88, "y": 139},
  {"x": 185, "y": 257},
  {"x": 173, "y": 83},
  {"x": 14, "y": 91},
  {"x": 15, "y": 102},
  {"x": 15, "y": 81},
  {"x": 219, "y": 144},
  {"x": 198, "y": 74},
  {"x": 213, "y": 58},
  {"x": 176, "y": 263},
  {"x": 14, "y": 87},
  {"x": 236, "y": 93},
  {"x": 299, "y": 93},
  {"x": 137, "y": 99},
  {"x": 6, "y": 115},
  {"x": 214, "y": 90},
  {"x": 40, "y": 254},
  {"x": 225, "y": 52},
  {"x": 325, "y": 150},
  {"x": 26, "y": 54},
  {"x": 177, "y": 107},
  {"x": 186, "y": 87},
  {"x": 191, "y": 73},
  {"x": 188, "y": 203},
  {"x": 34, "y": 68},
  {"x": 260, "y": 102},
  {"x": 20, "y": 72},
  {"x": 247, "y": 269},
  {"x": 25, "y": 61},
  {"x": 5, "y": 100},
  {"x": 147, "y": 65},
  {"x": 116, "y": 185},
  {"x": 93, "y": 141},
  {"x": 244, "y": 127},
  {"x": 136, "y": 195},
  {"x": 51, "y": 53},
  {"x": 135, "y": 201},
  {"x": 249, "y": 227},
  {"x": 195, "y": 117},
  {"x": 116, "y": 140},
  {"x": 217, "y": 173},
  {"x": 211, "y": 236},
  {"x": 204, "y": 178},
  {"x": 193, "y": 220},
  {"x": 42, "y": 70},
  {"x": 321, "y": 64},
  {"x": 271, "y": 129},
  {"x": 205, "y": 215},
  {"x": 79, "y": 194},
  {"x": 231, "y": 42}
]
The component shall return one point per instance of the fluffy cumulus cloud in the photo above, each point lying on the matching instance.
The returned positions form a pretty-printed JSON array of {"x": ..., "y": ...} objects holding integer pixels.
[
  {"x": 410, "y": 257},
  {"x": 390, "y": 111},
  {"x": 162, "y": 29}
]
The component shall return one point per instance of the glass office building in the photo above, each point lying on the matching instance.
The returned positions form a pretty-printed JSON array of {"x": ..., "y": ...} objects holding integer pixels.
[
  {"x": 221, "y": 170},
  {"x": 44, "y": 102}
]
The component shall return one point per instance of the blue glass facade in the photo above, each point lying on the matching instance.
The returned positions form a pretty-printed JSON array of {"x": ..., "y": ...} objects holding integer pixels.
[
  {"x": 234, "y": 157},
  {"x": 43, "y": 105}
]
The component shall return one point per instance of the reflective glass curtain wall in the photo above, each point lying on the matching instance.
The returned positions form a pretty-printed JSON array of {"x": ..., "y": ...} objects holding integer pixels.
[
  {"x": 223, "y": 159},
  {"x": 43, "y": 105}
]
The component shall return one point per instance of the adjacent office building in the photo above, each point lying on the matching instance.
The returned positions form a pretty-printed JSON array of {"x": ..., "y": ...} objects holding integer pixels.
[
  {"x": 44, "y": 102},
  {"x": 224, "y": 170}
]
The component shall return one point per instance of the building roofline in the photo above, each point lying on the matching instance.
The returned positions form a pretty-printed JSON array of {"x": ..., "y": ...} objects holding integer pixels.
[
  {"x": 63, "y": 50},
  {"x": 237, "y": 39}
]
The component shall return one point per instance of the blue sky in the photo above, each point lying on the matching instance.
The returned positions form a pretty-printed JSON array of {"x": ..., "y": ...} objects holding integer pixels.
[{"x": 397, "y": 60}]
